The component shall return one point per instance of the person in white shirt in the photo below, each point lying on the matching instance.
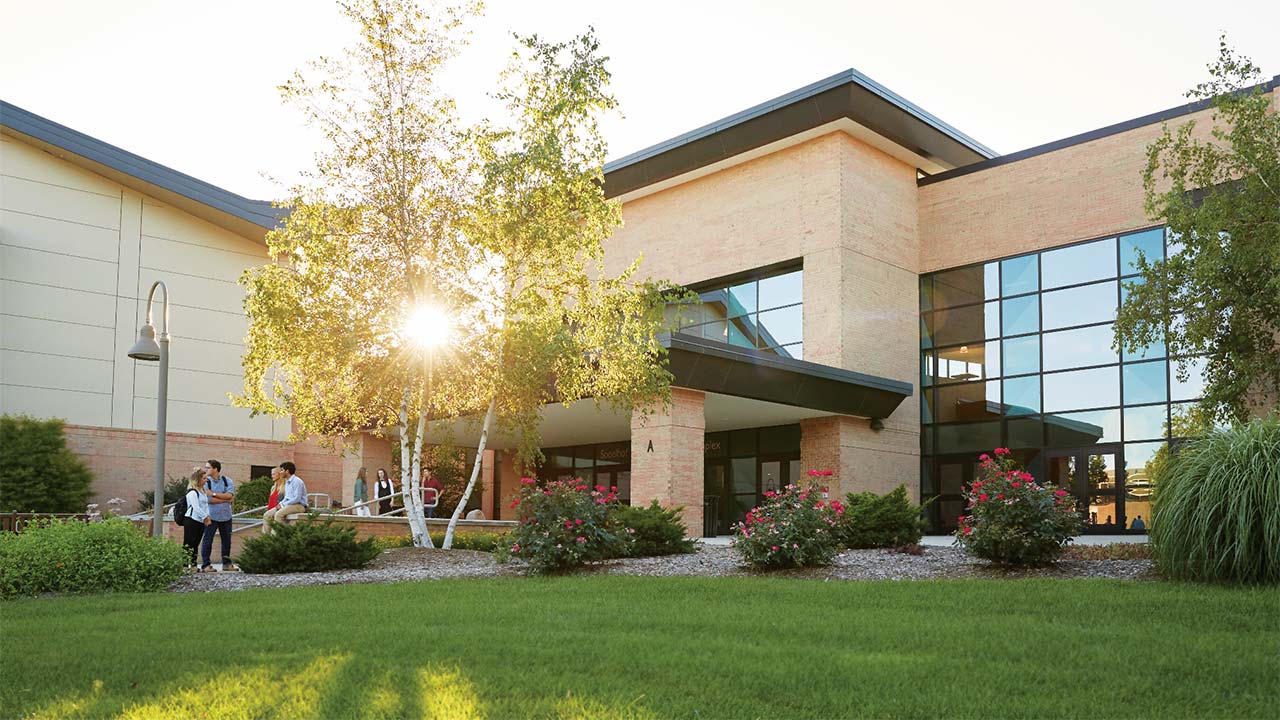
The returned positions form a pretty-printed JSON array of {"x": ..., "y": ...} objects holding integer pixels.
[
  {"x": 295, "y": 494},
  {"x": 197, "y": 516}
]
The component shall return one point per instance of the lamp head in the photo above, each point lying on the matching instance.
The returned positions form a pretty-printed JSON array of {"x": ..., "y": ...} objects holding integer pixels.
[{"x": 146, "y": 348}]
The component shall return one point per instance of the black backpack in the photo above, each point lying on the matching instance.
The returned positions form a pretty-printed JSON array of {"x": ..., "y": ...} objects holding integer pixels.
[{"x": 180, "y": 510}]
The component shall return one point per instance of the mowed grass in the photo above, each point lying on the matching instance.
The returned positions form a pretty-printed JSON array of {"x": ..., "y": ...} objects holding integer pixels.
[{"x": 646, "y": 647}]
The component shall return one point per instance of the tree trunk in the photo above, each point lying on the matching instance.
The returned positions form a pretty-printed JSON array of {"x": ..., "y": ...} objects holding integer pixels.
[
  {"x": 475, "y": 473},
  {"x": 417, "y": 526}
]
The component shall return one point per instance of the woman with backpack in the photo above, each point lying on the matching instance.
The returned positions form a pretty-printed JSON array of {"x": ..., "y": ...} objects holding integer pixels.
[{"x": 196, "y": 515}]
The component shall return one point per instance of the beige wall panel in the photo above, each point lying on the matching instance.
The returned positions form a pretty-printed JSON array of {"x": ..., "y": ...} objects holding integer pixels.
[
  {"x": 186, "y": 385},
  {"x": 74, "y": 407},
  {"x": 18, "y": 159},
  {"x": 163, "y": 221},
  {"x": 53, "y": 201},
  {"x": 55, "y": 303},
  {"x": 192, "y": 259},
  {"x": 204, "y": 356},
  {"x": 122, "y": 379},
  {"x": 65, "y": 271},
  {"x": 201, "y": 419},
  {"x": 52, "y": 371},
  {"x": 192, "y": 291},
  {"x": 878, "y": 204},
  {"x": 40, "y": 233},
  {"x": 47, "y": 336},
  {"x": 209, "y": 325}
]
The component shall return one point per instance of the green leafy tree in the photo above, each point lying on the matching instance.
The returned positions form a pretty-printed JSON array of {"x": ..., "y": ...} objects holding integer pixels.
[
  {"x": 563, "y": 329},
  {"x": 38, "y": 473},
  {"x": 371, "y": 242},
  {"x": 1219, "y": 294}
]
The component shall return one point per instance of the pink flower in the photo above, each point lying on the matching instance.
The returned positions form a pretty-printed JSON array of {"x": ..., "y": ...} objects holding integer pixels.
[
  {"x": 1060, "y": 493},
  {"x": 982, "y": 497},
  {"x": 814, "y": 473},
  {"x": 1017, "y": 484},
  {"x": 599, "y": 488},
  {"x": 515, "y": 548},
  {"x": 1003, "y": 451},
  {"x": 527, "y": 481},
  {"x": 578, "y": 521},
  {"x": 984, "y": 456},
  {"x": 826, "y": 473},
  {"x": 977, "y": 484},
  {"x": 774, "y": 548},
  {"x": 579, "y": 487},
  {"x": 770, "y": 494},
  {"x": 568, "y": 523},
  {"x": 581, "y": 539},
  {"x": 515, "y": 502}
]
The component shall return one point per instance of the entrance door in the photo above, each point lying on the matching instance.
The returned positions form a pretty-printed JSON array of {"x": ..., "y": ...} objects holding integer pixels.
[{"x": 1095, "y": 479}]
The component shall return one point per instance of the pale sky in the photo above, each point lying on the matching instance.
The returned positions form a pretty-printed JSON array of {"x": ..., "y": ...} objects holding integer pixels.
[{"x": 193, "y": 85}]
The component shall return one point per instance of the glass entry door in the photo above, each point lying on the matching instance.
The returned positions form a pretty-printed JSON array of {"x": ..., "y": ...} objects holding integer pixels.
[{"x": 1095, "y": 479}]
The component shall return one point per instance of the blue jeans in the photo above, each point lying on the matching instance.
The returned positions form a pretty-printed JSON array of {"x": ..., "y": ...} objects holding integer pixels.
[{"x": 206, "y": 544}]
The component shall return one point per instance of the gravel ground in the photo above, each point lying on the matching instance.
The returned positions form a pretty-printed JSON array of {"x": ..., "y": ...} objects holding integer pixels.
[{"x": 403, "y": 564}]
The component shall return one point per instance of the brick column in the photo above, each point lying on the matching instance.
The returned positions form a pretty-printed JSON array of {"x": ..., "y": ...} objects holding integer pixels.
[
  {"x": 860, "y": 458},
  {"x": 666, "y": 457},
  {"x": 487, "y": 500}
]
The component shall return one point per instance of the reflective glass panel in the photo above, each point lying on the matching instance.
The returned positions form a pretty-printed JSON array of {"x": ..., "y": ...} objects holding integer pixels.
[
  {"x": 1022, "y": 395},
  {"x": 1081, "y": 347},
  {"x": 1025, "y": 432},
  {"x": 1145, "y": 423},
  {"x": 1080, "y": 306},
  {"x": 951, "y": 477},
  {"x": 742, "y": 443},
  {"x": 1021, "y": 315},
  {"x": 715, "y": 304},
  {"x": 1145, "y": 383},
  {"x": 781, "y": 290},
  {"x": 718, "y": 331},
  {"x": 1083, "y": 429},
  {"x": 926, "y": 292},
  {"x": 781, "y": 439},
  {"x": 1137, "y": 481},
  {"x": 1022, "y": 355},
  {"x": 1019, "y": 275},
  {"x": 1079, "y": 263},
  {"x": 968, "y": 401},
  {"x": 972, "y": 437},
  {"x": 1125, "y": 283},
  {"x": 962, "y": 325},
  {"x": 781, "y": 327},
  {"x": 1150, "y": 243},
  {"x": 1081, "y": 389},
  {"x": 742, "y": 331},
  {"x": 743, "y": 471},
  {"x": 742, "y": 298},
  {"x": 1193, "y": 387},
  {"x": 965, "y": 286},
  {"x": 969, "y": 362}
]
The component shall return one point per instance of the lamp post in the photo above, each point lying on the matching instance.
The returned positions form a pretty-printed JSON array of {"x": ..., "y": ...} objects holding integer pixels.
[{"x": 146, "y": 348}]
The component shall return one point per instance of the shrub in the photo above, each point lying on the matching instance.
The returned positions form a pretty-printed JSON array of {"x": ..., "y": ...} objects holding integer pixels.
[
  {"x": 1216, "y": 507},
  {"x": 880, "y": 521},
  {"x": 654, "y": 530},
  {"x": 52, "y": 556},
  {"x": 174, "y": 488},
  {"x": 37, "y": 471},
  {"x": 1013, "y": 519},
  {"x": 308, "y": 545},
  {"x": 793, "y": 528},
  {"x": 252, "y": 494},
  {"x": 564, "y": 525}
]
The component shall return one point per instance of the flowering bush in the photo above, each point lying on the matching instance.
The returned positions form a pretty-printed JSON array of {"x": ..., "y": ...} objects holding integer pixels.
[
  {"x": 1013, "y": 519},
  {"x": 563, "y": 525},
  {"x": 793, "y": 528}
]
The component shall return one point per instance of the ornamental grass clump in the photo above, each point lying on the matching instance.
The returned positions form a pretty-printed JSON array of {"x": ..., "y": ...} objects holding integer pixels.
[
  {"x": 793, "y": 528},
  {"x": 564, "y": 524},
  {"x": 1013, "y": 520},
  {"x": 1216, "y": 509}
]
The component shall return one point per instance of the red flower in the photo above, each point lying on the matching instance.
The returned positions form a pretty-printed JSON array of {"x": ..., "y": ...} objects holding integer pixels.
[
  {"x": 984, "y": 456},
  {"x": 1000, "y": 496},
  {"x": 1017, "y": 484},
  {"x": 775, "y": 547},
  {"x": 1060, "y": 493},
  {"x": 579, "y": 487},
  {"x": 527, "y": 481},
  {"x": 515, "y": 503},
  {"x": 968, "y": 530},
  {"x": 581, "y": 539},
  {"x": 599, "y": 488},
  {"x": 613, "y": 489},
  {"x": 578, "y": 521},
  {"x": 1003, "y": 451},
  {"x": 568, "y": 524},
  {"x": 982, "y": 497}
]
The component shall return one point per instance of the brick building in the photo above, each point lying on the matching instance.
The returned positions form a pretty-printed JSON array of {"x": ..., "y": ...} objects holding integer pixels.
[{"x": 883, "y": 297}]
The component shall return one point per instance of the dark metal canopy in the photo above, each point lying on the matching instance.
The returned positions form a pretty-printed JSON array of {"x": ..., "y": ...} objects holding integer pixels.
[
  {"x": 711, "y": 366},
  {"x": 848, "y": 94}
]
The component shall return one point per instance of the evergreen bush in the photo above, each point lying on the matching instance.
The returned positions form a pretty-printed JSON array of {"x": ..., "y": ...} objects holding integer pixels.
[
  {"x": 1216, "y": 507},
  {"x": 654, "y": 530},
  {"x": 880, "y": 521},
  {"x": 37, "y": 471},
  {"x": 253, "y": 493},
  {"x": 308, "y": 545}
]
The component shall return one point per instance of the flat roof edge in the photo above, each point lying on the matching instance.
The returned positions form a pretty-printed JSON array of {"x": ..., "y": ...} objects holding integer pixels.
[
  {"x": 1088, "y": 136},
  {"x": 24, "y": 122}
]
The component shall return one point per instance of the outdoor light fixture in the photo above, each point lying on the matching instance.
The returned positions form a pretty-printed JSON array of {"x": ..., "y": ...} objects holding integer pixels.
[
  {"x": 428, "y": 326},
  {"x": 146, "y": 348}
]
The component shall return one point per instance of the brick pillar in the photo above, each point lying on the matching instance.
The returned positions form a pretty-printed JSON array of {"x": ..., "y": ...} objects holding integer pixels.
[
  {"x": 487, "y": 500},
  {"x": 666, "y": 457},
  {"x": 860, "y": 458}
]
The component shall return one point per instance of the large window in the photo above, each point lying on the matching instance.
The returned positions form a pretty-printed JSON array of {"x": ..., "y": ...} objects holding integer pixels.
[
  {"x": 763, "y": 311},
  {"x": 1017, "y": 352}
]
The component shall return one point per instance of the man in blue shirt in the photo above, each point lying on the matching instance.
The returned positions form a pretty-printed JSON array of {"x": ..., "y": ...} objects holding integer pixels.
[
  {"x": 222, "y": 492},
  {"x": 295, "y": 493}
]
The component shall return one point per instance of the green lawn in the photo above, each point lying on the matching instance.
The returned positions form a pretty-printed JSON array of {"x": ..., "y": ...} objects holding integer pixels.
[{"x": 642, "y": 647}]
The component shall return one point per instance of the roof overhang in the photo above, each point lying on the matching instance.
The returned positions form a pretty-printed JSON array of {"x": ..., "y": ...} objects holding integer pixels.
[
  {"x": 848, "y": 101},
  {"x": 248, "y": 218},
  {"x": 711, "y": 366}
]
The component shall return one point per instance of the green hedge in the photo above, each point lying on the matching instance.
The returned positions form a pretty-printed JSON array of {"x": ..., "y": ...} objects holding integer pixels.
[
  {"x": 37, "y": 471},
  {"x": 880, "y": 521},
  {"x": 654, "y": 530},
  {"x": 309, "y": 545},
  {"x": 77, "y": 557},
  {"x": 1216, "y": 508}
]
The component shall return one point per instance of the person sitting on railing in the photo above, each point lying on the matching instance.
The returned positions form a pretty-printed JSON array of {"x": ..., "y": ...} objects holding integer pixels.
[
  {"x": 273, "y": 501},
  {"x": 295, "y": 494}
]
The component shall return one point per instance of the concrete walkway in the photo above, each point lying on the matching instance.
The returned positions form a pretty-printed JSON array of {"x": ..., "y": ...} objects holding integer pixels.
[{"x": 947, "y": 540}]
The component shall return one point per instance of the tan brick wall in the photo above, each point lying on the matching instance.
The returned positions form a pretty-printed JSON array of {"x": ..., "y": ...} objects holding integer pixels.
[
  {"x": 860, "y": 458},
  {"x": 1084, "y": 191},
  {"x": 671, "y": 472}
]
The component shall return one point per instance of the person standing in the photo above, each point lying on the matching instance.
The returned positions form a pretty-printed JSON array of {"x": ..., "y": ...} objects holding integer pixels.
[
  {"x": 361, "y": 494},
  {"x": 222, "y": 492},
  {"x": 431, "y": 492},
  {"x": 295, "y": 493},
  {"x": 383, "y": 491},
  {"x": 196, "y": 519}
]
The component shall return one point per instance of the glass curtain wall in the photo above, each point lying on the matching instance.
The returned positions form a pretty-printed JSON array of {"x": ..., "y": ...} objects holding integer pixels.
[
  {"x": 607, "y": 464},
  {"x": 1017, "y": 353},
  {"x": 763, "y": 312}
]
